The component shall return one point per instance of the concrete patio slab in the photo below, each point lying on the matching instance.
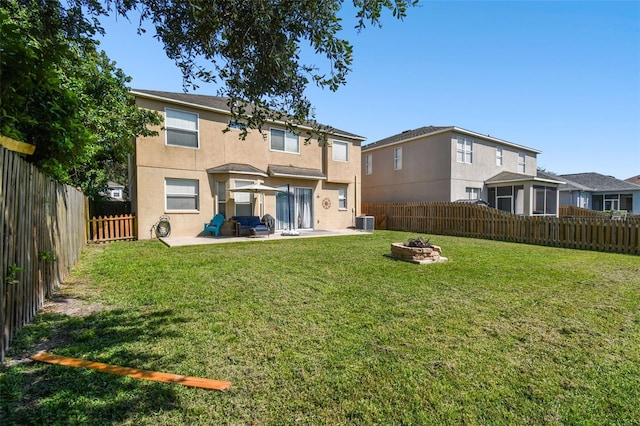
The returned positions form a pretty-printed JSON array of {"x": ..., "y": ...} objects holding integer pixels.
[{"x": 192, "y": 241}]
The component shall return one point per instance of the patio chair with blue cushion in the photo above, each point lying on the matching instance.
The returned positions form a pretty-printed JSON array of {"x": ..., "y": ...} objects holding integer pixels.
[{"x": 214, "y": 225}]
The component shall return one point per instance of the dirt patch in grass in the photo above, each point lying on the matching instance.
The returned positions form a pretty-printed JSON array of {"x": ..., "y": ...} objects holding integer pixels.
[
  {"x": 70, "y": 300},
  {"x": 72, "y": 306}
]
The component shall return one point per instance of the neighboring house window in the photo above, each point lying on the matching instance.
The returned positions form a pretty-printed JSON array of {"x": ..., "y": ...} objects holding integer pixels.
[
  {"x": 181, "y": 128},
  {"x": 342, "y": 198},
  {"x": 507, "y": 198},
  {"x": 397, "y": 158},
  {"x": 340, "y": 151},
  {"x": 473, "y": 193},
  {"x": 545, "y": 200},
  {"x": 613, "y": 202},
  {"x": 284, "y": 141},
  {"x": 368, "y": 164},
  {"x": 222, "y": 198},
  {"x": 243, "y": 200},
  {"x": 181, "y": 194},
  {"x": 498, "y": 156},
  {"x": 522, "y": 162},
  {"x": 116, "y": 193},
  {"x": 464, "y": 150},
  {"x": 237, "y": 125}
]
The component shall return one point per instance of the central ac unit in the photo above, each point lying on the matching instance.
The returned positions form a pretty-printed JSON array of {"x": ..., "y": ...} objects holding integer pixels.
[{"x": 365, "y": 223}]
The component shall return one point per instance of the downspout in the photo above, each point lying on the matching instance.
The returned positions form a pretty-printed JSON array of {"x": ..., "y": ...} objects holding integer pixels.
[{"x": 355, "y": 200}]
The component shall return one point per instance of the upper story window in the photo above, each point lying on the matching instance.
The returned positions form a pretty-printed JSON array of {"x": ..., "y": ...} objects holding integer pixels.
[
  {"x": 498, "y": 156},
  {"x": 181, "y": 194},
  {"x": 464, "y": 149},
  {"x": 340, "y": 151},
  {"x": 237, "y": 125},
  {"x": 368, "y": 164},
  {"x": 522, "y": 162},
  {"x": 181, "y": 128},
  {"x": 284, "y": 141},
  {"x": 397, "y": 158}
]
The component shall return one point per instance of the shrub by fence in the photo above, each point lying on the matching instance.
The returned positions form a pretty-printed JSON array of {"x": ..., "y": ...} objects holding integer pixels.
[
  {"x": 111, "y": 228},
  {"x": 470, "y": 220},
  {"x": 42, "y": 233}
]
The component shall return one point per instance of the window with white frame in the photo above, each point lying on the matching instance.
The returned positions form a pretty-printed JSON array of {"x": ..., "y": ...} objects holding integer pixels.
[
  {"x": 243, "y": 200},
  {"x": 221, "y": 189},
  {"x": 340, "y": 151},
  {"x": 464, "y": 150},
  {"x": 522, "y": 162},
  {"x": 473, "y": 193},
  {"x": 181, "y": 128},
  {"x": 498, "y": 156},
  {"x": 397, "y": 158},
  {"x": 342, "y": 198},
  {"x": 284, "y": 141},
  {"x": 237, "y": 125},
  {"x": 181, "y": 194},
  {"x": 368, "y": 164}
]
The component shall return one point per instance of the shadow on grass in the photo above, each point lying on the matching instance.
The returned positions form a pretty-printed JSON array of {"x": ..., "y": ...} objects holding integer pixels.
[{"x": 35, "y": 393}]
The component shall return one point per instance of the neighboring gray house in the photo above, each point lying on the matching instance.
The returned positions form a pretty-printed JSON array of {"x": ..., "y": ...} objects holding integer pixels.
[
  {"x": 448, "y": 163},
  {"x": 115, "y": 191},
  {"x": 599, "y": 192}
]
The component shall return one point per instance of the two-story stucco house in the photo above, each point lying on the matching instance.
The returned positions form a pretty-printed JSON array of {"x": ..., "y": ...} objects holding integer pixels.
[
  {"x": 189, "y": 170},
  {"x": 447, "y": 163}
]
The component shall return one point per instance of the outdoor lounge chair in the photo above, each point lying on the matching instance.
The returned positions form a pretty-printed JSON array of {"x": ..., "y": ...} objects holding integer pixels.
[
  {"x": 250, "y": 226},
  {"x": 214, "y": 225}
]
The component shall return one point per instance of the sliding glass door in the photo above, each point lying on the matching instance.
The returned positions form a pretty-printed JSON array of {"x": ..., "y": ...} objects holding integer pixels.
[{"x": 294, "y": 209}]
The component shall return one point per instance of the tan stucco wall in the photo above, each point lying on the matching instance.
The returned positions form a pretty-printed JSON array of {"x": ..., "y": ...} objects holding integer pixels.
[
  {"x": 424, "y": 175},
  {"x": 156, "y": 161}
]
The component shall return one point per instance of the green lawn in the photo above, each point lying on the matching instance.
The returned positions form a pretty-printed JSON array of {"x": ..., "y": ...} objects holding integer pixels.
[{"x": 329, "y": 331}]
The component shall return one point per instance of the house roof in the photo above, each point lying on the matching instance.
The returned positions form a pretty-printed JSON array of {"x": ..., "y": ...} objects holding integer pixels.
[
  {"x": 409, "y": 135},
  {"x": 634, "y": 179},
  {"x": 510, "y": 177},
  {"x": 274, "y": 170},
  {"x": 296, "y": 172},
  {"x": 215, "y": 103},
  {"x": 112, "y": 184},
  {"x": 596, "y": 182},
  {"x": 237, "y": 168}
]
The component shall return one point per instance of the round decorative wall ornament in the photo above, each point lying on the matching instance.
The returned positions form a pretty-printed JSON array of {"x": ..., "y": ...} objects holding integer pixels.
[{"x": 326, "y": 203}]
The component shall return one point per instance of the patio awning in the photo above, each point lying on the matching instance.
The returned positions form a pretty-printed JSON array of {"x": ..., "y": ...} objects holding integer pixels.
[
  {"x": 296, "y": 172},
  {"x": 512, "y": 178},
  {"x": 256, "y": 188},
  {"x": 237, "y": 168}
]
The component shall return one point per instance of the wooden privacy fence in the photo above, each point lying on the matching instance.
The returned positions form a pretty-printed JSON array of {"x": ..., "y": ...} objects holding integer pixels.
[
  {"x": 470, "y": 220},
  {"x": 112, "y": 228},
  {"x": 41, "y": 239},
  {"x": 573, "y": 211}
]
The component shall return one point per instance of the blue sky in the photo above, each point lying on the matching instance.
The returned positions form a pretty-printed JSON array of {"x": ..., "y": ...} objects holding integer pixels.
[{"x": 562, "y": 77}]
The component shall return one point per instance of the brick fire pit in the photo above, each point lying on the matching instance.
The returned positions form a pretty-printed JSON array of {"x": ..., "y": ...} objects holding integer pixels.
[{"x": 419, "y": 255}]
